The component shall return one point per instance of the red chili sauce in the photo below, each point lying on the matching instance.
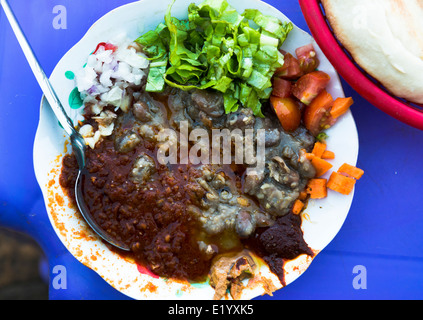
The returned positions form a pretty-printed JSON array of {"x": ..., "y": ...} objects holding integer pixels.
[{"x": 153, "y": 219}]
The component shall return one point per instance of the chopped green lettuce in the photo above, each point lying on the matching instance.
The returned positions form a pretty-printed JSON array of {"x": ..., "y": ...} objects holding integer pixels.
[{"x": 217, "y": 48}]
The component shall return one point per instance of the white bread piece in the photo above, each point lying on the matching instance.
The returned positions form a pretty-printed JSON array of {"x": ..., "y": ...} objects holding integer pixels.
[{"x": 385, "y": 37}]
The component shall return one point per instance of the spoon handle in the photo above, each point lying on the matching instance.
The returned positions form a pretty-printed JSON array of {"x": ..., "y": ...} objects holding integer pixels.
[{"x": 42, "y": 79}]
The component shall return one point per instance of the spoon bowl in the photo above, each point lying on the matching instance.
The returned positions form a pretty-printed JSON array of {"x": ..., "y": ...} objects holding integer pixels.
[
  {"x": 79, "y": 196},
  {"x": 79, "y": 148}
]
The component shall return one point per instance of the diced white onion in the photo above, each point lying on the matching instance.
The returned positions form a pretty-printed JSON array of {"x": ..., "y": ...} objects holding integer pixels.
[
  {"x": 86, "y": 131},
  {"x": 103, "y": 80},
  {"x": 106, "y": 131},
  {"x": 113, "y": 97}
]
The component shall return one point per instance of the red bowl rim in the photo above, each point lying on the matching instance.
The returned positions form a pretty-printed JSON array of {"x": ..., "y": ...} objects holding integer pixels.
[{"x": 346, "y": 68}]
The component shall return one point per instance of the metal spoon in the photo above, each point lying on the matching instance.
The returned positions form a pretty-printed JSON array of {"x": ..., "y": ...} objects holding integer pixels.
[{"x": 77, "y": 142}]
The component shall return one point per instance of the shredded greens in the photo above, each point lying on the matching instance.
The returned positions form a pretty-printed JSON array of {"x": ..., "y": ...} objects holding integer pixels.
[
  {"x": 322, "y": 136},
  {"x": 217, "y": 48}
]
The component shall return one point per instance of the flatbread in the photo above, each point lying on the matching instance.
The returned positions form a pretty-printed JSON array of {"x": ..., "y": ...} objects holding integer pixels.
[{"x": 385, "y": 37}]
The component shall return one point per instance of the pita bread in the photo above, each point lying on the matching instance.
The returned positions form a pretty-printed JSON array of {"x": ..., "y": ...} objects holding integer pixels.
[{"x": 385, "y": 38}]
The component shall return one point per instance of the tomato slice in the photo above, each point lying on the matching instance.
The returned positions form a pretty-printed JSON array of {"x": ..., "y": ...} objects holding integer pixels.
[
  {"x": 281, "y": 87},
  {"x": 317, "y": 115},
  {"x": 310, "y": 85},
  {"x": 307, "y": 58},
  {"x": 291, "y": 68},
  {"x": 106, "y": 46},
  {"x": 288, "y": 112}
]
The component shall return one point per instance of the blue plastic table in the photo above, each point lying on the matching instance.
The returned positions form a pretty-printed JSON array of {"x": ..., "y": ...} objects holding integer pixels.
[{"x": 381, "y": 241}]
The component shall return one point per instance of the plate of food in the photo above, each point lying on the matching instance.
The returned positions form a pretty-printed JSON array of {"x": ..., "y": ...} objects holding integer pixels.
[{"x": 220, "y": 148}]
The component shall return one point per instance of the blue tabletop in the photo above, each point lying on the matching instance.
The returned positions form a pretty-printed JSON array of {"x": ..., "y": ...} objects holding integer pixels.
[{"x": 378, "y": 253}]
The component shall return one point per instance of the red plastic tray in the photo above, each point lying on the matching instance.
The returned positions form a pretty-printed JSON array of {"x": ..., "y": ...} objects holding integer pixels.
[{"x": 368, "y": 87}]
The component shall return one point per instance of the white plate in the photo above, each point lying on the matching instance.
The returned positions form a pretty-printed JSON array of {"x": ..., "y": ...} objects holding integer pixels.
[{"x": 322, "y": 219}]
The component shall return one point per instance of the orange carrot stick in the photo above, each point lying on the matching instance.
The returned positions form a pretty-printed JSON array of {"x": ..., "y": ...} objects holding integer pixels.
[
  {"x": 317, "y": 188},
  {"x": 340, "y": 183},
  {"x": 321, "y": 166},
  {"x": 319, "y": 148},
  {"x": 328, "y": 155},
  {"x": 351, "y": 171},
  {"x": 340, "y": 106},
  {"x": 303, "y": 195},
  {"x": 298, "y": 207}
]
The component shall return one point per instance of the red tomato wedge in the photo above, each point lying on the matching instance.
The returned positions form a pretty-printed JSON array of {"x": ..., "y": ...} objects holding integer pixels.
[
  {"x": 310, "y": 85},
  {"x": 291, "y": 68},
  {"x": 106, "y": 46},
  {"x": 288, "y": 112},
  {"x": 281, "y": 87},
  {"x": 307, "y": 58},
  {"x": 304, "y": 50},
  {"x": 317, "y": 115}
]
